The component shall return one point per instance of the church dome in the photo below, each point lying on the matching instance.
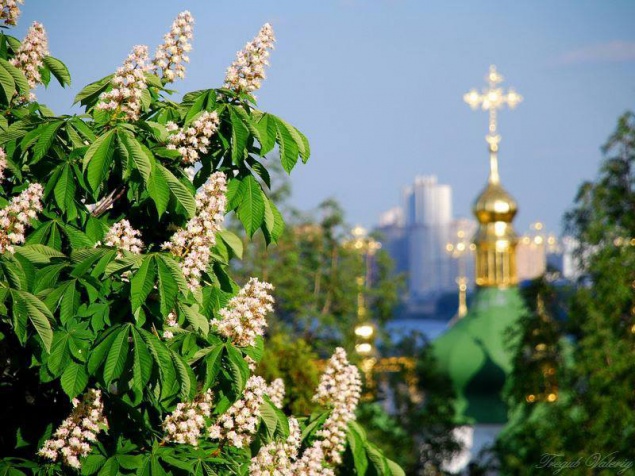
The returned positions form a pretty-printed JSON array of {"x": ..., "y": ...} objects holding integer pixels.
[
  {"x": 495, "y": 204},
  {"x": 477, "y": 356}
]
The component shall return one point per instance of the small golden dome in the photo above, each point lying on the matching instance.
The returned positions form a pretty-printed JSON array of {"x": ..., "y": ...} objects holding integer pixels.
[{"x": 495, "y": 204}]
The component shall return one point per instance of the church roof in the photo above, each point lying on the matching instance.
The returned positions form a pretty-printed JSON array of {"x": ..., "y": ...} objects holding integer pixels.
[{"x": 476, "y": 356}]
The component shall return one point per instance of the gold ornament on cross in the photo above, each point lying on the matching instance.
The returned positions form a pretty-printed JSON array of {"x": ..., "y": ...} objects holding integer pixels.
[{"x": 493, "y": 98}]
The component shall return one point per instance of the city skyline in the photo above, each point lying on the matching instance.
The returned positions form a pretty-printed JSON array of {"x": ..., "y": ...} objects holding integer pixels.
[{"x": 377, "y": 87}]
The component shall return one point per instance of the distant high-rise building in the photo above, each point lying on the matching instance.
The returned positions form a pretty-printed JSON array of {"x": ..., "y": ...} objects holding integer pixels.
[
  {"x": 428, "y": 225},
  {"x": 416, "y": 236}
]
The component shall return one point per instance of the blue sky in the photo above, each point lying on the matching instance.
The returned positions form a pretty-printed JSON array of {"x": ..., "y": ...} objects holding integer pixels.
[{"x": 377, "y": 86}]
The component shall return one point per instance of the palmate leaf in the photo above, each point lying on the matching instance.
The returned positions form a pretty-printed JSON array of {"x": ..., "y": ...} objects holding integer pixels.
[
  {"x": 65, "y": 187},
  {"x": 18, "y": 76},
  {"x": 7, "y": 84},
  {"x": 168, "y": 288},
  {"x": 240, "y": 137},
  {"x": 197, "y": 320},
  {"x": 355, "y": 438},
  {"x": 89, "y": 95},
  {"x": 159, "y": 191},
  {"x": 142, "y": 282},
  {"x": 38, "y": 254},
  {"x": 117, "y": 355},
  {"x": 186, "y": 378},
  {"x": 37, "y": 313},
  {"x": 179, "y": 191},
  {"x": 98, "y": 159},
  {"x": 238, "y": 368},
  {"x": 251, "y": 210},
  {"x": 266, "y": 125},
  {"x": 69, "y": 302},
  {"x": 142, "y": 362},
  {"x": 275, "y": 421},
  {"x": 213, "y": 362},
  {"x": 74, "y": 379},
  {"x": 142, "y": 159},
  {"x": 46, "y": 137},
  {"x": 289, "y": 149},
  {"x": 233, "y": 242},
  {"x": 59, "y": 70}
]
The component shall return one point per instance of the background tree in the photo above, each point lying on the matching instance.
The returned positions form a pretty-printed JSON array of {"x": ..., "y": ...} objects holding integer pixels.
[
  {"x": 315, "y": 273},
  {"x": 594, "y": 412}
]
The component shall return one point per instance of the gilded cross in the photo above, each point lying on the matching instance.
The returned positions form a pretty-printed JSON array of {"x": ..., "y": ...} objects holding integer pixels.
[{"x": 493, "y": 98}]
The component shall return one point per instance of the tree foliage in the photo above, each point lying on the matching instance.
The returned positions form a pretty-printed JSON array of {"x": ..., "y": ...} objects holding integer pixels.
[
  {"x": 593, "y": 414},
  {"x": 78, "y": 314},
  {"x": 316, "y": 273}
]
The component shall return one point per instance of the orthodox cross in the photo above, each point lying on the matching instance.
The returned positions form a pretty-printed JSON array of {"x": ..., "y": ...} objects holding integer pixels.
[{"x": 492, "y": 99}]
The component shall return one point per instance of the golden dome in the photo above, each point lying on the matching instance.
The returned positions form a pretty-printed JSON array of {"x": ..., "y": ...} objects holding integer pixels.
[{"x": 495, "y": 204}]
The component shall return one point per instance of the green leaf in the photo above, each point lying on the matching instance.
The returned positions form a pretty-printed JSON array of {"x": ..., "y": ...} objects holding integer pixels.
[
  {"x": 198, "y": 321},
  {"x": 110, "y": 468},
  {"x": 278, "y": 226},
  {"x": 65, "y": 189},
  {"x": 233, "y": 242},
  {"x": 288, "y": 146},
  {"x": 257, "y": 350},
  {"x": 142, "y": 362},
  {"x": 377, "y": 459},
  {"x": 141, "y": 158},
  {"x": 142, "y": 282},
  {"x": 195, "y": 108},
  {"x": 47, "y": 277},
  {"x": 269, "y": 418},
  {"x": 74, "y": 379},
  {"x": 92, "y": 463},
  {"x": 86, "y": 257},
  {"x": 395, "y": 469},
  {"x": 168, "y": 287},
  {"x": 240, "y": 135},
  {"x": 39, "y": 315},
  {"x": 59, "y": 353},
  {"x": 98, "y": 353},
  {"x": 356, "y": 445},
  {"x": 98, "y": 159},
  {"x": 59, "y": 70},
  {"x": 7, "y": 84},
  {"x": 92, "y": 91},
  {"x": 182, "y": 194},
  {"x": 69, "y": 303},
  {"x": 300, "y": 140},
  {"x": 185, "y": 376},
  {"x": 238, "y": 368},
  {"x": 117, "y": 356},
  {"x": 38, "y": 254},
  {"x": 45, "y": 140},
  {"x": 270, "y": 219},
  {"x": 159, "y": 191},
  {"x": 267, "y": 138},
  {"x": 17, "y": 75},
  {"x": 77, "y": 238},
  {"x": 213, "y": 363},
  {"x": 251, "y": 210},
  {"x": 175, "y": 270}
]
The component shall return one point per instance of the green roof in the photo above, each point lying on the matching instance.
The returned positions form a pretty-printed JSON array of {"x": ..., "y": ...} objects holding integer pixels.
[{"x": 476, "y": 356}]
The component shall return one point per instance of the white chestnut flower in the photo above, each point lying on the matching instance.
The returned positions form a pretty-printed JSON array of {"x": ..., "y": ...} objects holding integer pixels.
[
  {"x": 170, "y": 56},
  {"x": 16, "y": 217},
  {"x": 244, "y": 317},
  {"x": 70, "y": 442},
  {"x": 128, "y": 85},
  {"x": 248, "y": 70},
  {"x": 192, "y": 244}
]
